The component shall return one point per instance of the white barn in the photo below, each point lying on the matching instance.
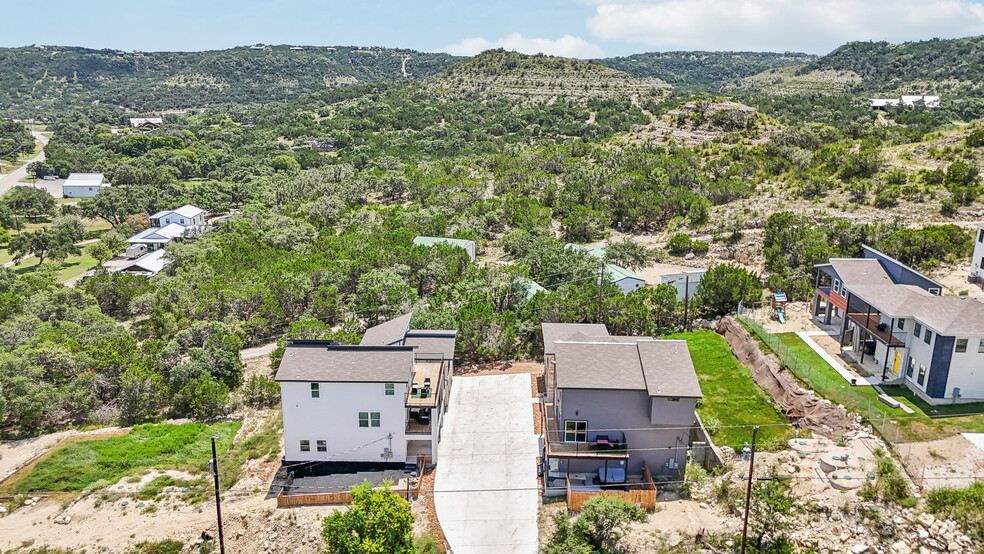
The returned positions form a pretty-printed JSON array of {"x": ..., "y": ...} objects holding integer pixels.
[{"x": 83, "y": 185}]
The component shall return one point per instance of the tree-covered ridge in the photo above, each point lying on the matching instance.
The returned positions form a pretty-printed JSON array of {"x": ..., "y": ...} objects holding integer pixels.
[
  {"x": 51, "y": 78},
  {"x": 538, "y": 78},
  {"x": 895, "y": 67},
  {"x": 703, "y": 69}
]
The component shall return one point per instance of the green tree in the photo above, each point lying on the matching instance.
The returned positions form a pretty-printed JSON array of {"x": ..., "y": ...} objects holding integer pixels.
[
  {"x": 29, "y": 202},
  {"x": 583, "y": 224},
  {"x": 113, "y": 204},
  {"x": 679, "y": 244},
  {"x": 56, "y": 242},
  {"x": 376, "y": 522},
  {"x": 383, "y": 294},
  {"x": 286, "y": 163},
  {"x": 628, "y": 254},
  {"x": 724, "y": 286},
  {"x": 599, "y": 527}
]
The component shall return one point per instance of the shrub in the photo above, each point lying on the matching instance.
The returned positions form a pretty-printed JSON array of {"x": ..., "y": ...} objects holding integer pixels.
[
  {"x": 261, "y": 392},
  {"x": 700, "y": 247},
  {"x": 679, "y": 244}
]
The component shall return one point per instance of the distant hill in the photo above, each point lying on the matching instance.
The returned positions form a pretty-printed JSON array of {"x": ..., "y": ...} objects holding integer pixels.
[
  {"x": 57, "y": 78},
  {"x": 539, "y": 77},
  {"x": 703, "y": 69},
  {"x": 900, "y": 67}
]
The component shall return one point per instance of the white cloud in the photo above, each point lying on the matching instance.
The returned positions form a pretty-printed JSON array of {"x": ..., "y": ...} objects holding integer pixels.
[
  {"x": 568, "y": 46},
  {"x": 780, "y": 25}
]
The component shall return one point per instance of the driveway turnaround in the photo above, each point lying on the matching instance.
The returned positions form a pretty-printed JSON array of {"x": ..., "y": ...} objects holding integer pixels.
[{"x": 485, "y": 488}]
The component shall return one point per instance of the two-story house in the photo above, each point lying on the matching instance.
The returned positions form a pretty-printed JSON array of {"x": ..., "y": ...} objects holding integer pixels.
[
  {"x": 615, "y": 403},
  {"x": 186, "y": 216},
  {"x": 896, "y": 323},
  {"x": 377, "y": 404}
]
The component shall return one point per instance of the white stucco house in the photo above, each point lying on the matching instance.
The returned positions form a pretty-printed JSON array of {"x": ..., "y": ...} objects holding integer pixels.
[
  {"x": 378, "y": 404},
  {"x": 977, "y": 260},
  {"x": 83, "y": 185},
  {"x": 184, "y": 222}
]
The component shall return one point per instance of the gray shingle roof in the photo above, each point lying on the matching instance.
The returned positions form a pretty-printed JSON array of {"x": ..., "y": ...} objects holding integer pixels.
[
  {"x": 661, "y": 367},
  {"x": 553, "y": 332},
  {"x": 346, "y": 364},
  {"x": 432, "y": 342},
  {"x": 860, "y": 271},
  {"x": 952, "y": 315},
  {"x": 669, "y": 369},
  {"x": 597, "y": 365},
  {"x": 391, "y": 332}
]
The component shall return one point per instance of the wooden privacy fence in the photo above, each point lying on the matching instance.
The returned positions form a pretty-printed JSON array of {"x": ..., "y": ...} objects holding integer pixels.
[{"x": 644, "y": 497}]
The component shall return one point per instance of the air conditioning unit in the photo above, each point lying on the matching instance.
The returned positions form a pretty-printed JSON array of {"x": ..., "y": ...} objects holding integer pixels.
[{"x": 672, "y": 463}]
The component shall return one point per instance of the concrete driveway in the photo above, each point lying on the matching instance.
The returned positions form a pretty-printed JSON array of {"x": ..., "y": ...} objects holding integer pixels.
[{"x": 485, "y": 489}]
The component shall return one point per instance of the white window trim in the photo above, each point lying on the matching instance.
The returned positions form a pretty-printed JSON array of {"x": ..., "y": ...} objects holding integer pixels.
[{"x": 575, "y": 431}]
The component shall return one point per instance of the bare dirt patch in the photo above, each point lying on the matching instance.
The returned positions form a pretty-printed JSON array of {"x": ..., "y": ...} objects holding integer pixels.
[{"x": 949, "y": 462}]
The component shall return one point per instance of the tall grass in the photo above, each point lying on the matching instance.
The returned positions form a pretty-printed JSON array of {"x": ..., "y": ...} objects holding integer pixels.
[{"x": 79, "y": 465}]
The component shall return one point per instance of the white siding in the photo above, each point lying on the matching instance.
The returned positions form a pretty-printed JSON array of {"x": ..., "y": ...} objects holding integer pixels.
[
  {"x": 629, "y": 284},
  {"x": 82, "y": 191},
  {"x": 967, "y": 370},
  {"x": 334, "y": 417},
  {"x": 977, "y": 261},
  {"x": 921, "y": 352}
]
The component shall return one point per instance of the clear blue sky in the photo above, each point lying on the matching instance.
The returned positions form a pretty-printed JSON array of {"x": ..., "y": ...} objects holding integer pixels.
[{"x": 582, "y": 28}]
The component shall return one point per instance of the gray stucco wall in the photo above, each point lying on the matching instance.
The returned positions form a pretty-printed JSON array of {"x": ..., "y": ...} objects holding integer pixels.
[{"x": 630, "y": 411}]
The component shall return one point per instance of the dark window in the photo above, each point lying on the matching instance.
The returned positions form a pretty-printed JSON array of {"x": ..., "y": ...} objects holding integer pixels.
[
  {"x": 961, "y": 345},
  {"x": 305, "y": 446},
  {"x": 575, "y": 431},
  {"x": 315, "y": 390},
  {"x": 674, "y": 399},
  {"x": 917, "y": 330},
  {"x": 928, "y": 337},
  {"x": 322, "y": 446},
  {"x": 980, "y": 347},
  {"x": 900, "y": 323},
  {"x": 922, "y": 374},
  {"x": 912, "y": 367},
  {"x": 390, "y": 389},
  {"x": 980, "y": 237},
  {"x": 368, "y": 419}
]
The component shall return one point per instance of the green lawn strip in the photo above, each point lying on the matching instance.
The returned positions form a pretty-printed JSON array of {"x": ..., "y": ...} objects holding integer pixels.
[
  {"x": 82, "y": 464},
  {"x": 731, "y": 396},
  {"x": 926, "y": 423}
]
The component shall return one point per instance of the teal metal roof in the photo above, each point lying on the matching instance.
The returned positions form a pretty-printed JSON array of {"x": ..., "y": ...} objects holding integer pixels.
[
  {"x": 530, "y": 288},
  {"x": 617, "y": 273}
]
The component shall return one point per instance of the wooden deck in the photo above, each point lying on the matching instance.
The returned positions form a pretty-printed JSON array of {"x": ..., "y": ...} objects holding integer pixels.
[
  {"x": 870, "y": 324},
  {"x": 426, "y": 370}
]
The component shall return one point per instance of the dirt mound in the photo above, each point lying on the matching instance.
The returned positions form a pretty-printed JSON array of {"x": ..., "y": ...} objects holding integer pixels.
[{"x": 799, "y": 404}]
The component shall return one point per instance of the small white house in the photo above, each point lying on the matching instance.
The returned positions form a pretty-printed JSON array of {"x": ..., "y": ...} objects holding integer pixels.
[
  {"x": 186, "y": 216},
  {"x": 467, "y": 245},
  {"x": 377, "y": 404},
  {"x": 83, "y": 185},
  {"x": 977, "y": 261},
  {"x": 146, "y": 123},
  {"x": 626, "y": 280}
]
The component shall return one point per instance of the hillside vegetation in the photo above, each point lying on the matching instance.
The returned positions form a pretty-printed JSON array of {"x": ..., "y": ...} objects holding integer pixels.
[
  {"x": 51, "y": 78},
  {"x": 538, "y": 78},
  {"x": 703, "y": 69}
]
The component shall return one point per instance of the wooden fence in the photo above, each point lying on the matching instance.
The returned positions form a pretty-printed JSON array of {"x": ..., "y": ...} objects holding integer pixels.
[{"x": 644, "y": 497}]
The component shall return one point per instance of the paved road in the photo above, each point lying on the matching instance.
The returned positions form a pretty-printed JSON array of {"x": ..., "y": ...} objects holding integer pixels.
[
  {"x": 488, "y": 450},
  {"x": 9, "y": 180}
]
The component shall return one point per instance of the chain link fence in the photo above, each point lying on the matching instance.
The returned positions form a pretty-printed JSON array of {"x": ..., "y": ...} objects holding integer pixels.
[{"x": 835, "y": 389}]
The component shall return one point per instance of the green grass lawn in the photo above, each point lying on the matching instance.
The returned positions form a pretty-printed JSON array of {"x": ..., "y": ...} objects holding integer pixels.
[
  {"x": 927, "y": 423},
  {"x": 102, "y": 462},
  {"x": 731, "y": 397},
  {"x": 69, "y": 269}
]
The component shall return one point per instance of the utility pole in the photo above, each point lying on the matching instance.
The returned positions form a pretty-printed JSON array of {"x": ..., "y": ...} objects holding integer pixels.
[
  {"x": 601, "y": 289},
  {"x": 748, "y": 491},
  {"x": 686, "y": 302},
  {"x": 218, "y": 507}
]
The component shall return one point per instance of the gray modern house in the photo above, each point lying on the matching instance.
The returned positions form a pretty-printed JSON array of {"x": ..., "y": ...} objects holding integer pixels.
[{"x": 615, "y": 404}]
